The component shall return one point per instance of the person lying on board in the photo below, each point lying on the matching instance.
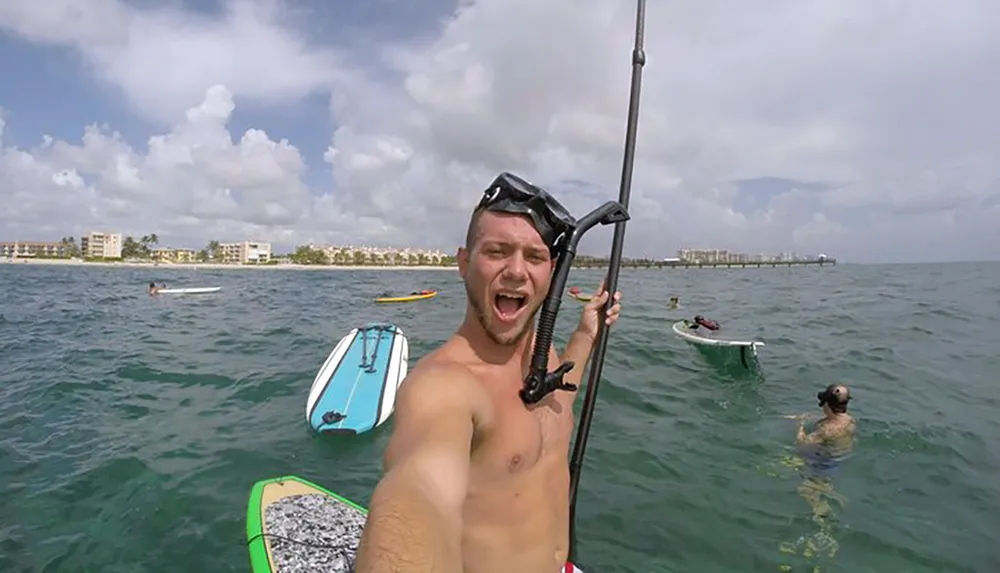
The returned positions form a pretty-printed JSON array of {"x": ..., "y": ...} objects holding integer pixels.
[
  {"x": 475, "y": 480},
  {"x": 700, "y": 320},
  {"x": 153, "y": 289}
]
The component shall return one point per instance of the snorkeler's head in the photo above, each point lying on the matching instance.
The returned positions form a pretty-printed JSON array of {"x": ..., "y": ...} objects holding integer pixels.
[{"x": 836, "y": 397}]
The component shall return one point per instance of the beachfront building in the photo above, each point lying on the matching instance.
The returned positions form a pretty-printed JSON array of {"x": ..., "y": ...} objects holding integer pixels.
[
  {"x": 722, "y": 256},
  {"x": 101, "y": 245},
  {"x": 32, "y": 249},
  {"x": 704, "y": 256},
  {"x": 168, "y": 255},
  {"x": 368, "y": 255},
  {"x": 245, "y": 252},
  {"x": 422, "y": 257}
]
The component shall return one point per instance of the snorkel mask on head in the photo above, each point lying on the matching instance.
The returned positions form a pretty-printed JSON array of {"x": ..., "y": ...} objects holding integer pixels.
[
  {"x": 510, "y": 194},
  {"x": 561, "y": 232},
  {"x": 832, "y": 397}
]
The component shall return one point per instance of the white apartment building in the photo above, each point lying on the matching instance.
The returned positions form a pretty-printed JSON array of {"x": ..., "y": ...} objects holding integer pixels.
[
  {"x": 169, "y": 255},
  {"x": 246, "y": 252},
  {"x": 31, "y": 249},
  {"x": 98, "y": 244}
]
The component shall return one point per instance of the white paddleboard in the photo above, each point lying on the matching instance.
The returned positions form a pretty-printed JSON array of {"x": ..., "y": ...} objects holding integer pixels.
[
  {"x": 195, "y": 290},
  {"x": 355, "y": 389},
  {"x": 681, "y": 328}
]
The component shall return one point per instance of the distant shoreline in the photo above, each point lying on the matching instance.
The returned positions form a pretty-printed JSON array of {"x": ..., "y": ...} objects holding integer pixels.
[{"x": 223, "y": 266}]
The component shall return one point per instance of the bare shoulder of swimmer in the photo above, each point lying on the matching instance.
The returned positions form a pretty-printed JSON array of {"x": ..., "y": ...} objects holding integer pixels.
[{"x": 415, "y": 515}]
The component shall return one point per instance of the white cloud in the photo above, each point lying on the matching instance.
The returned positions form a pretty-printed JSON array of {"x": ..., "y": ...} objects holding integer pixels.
[
  {"x": 889, "y": 103},
  {"x": 163, "y": 59},
  {"x": 193, "y": 173}
]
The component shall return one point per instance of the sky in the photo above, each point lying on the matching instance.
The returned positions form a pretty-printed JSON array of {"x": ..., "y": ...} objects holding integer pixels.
[{"x": 867, "y": 130}]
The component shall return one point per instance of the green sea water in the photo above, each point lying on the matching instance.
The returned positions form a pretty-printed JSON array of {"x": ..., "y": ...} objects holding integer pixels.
[{"x": 132, "y": 427}]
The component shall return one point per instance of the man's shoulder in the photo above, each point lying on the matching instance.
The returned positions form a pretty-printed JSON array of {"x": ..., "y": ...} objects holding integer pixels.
[
  {"x": 440, "y": 382},
  {"x": 837, "y": 429},
  {"x": 434, "y": 371},
  {"x": 852, "y": 424}
]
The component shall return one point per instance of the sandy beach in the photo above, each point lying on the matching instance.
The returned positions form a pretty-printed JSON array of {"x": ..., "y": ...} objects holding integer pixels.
[{"x": 214, "y": 266}]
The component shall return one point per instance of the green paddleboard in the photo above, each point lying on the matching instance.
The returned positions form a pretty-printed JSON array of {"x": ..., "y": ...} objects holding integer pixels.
[{"x": 296, "y": 526}]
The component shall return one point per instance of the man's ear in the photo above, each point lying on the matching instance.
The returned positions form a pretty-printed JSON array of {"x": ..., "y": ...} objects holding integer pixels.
[{"x": 463, "y": 261}]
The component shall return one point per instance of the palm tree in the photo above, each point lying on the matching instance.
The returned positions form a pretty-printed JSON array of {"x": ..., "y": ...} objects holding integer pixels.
[
  {"x": 130, "y": 248},
  {"x": 213, "y": 249}
]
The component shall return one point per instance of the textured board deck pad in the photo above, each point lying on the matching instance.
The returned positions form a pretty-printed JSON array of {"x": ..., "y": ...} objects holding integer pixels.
[
  {"x": 296, "y": 526},
  {"x": 355, "y": 389}
]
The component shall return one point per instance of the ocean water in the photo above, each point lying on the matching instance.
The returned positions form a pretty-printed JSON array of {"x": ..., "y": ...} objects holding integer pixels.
[{"x": 132, "y": 427}]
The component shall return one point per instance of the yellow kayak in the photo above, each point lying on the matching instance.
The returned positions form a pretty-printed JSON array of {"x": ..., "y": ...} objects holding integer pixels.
[
  {"x": 575, "y": 293},
  {"x": 424, "y": 294}
]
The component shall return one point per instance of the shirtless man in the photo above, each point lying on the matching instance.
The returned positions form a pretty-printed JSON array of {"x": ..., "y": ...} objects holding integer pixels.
[
  {"x": 475, "y": 480},
  {"x": 836, "y": 428},
  {"x": 825, "y": 447}
]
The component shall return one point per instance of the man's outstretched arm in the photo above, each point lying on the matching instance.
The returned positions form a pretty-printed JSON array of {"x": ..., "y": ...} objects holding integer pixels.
[{"x": 415, "y": 515}]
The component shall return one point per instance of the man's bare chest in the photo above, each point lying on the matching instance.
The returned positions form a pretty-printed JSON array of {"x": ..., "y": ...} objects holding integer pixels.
[{"x": 519, "y": 438}]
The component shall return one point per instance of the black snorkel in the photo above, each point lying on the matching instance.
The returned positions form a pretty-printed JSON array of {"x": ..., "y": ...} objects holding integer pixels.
[
  {"x": 614, "y": 265},
  {"x": 540, "y": 382}
]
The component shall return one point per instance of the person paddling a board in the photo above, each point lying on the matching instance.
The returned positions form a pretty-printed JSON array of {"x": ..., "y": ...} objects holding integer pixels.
[
  {"x": 153, "y": 289},
  {"x": 822, "y": 450},
  {"x": 476, "y": 469}
]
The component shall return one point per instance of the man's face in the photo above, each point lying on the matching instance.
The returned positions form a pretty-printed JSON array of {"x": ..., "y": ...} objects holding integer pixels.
[{"x": 507, "y": 273}]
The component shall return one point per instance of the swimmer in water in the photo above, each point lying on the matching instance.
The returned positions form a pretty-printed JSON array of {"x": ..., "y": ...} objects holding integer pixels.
[
  {"x": 831, "y": 440},
  {"x": 673, "y": 302}
]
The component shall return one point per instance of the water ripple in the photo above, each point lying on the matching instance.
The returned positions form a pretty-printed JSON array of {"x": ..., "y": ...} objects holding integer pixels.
[{"x": 133, "y": 425}]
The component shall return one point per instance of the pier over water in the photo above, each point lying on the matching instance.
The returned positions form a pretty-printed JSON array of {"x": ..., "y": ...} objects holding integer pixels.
[{"x": 584, "y": 262}]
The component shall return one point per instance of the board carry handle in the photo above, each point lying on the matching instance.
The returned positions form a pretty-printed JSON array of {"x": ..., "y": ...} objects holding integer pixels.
[{"x": 333, "y": 416}]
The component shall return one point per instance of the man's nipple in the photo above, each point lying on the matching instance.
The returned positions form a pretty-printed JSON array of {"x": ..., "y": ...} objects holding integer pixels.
[{"x": 515, "y": 463}]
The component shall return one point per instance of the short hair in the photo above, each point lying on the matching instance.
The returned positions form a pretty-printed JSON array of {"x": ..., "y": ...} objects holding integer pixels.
[
  {"x": 473, "y": 230},
  {"x": 472, "y": 233}
]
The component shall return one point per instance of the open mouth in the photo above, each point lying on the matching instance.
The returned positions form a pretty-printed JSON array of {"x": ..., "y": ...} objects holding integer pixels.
[{"x": 508, "y": 305}]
